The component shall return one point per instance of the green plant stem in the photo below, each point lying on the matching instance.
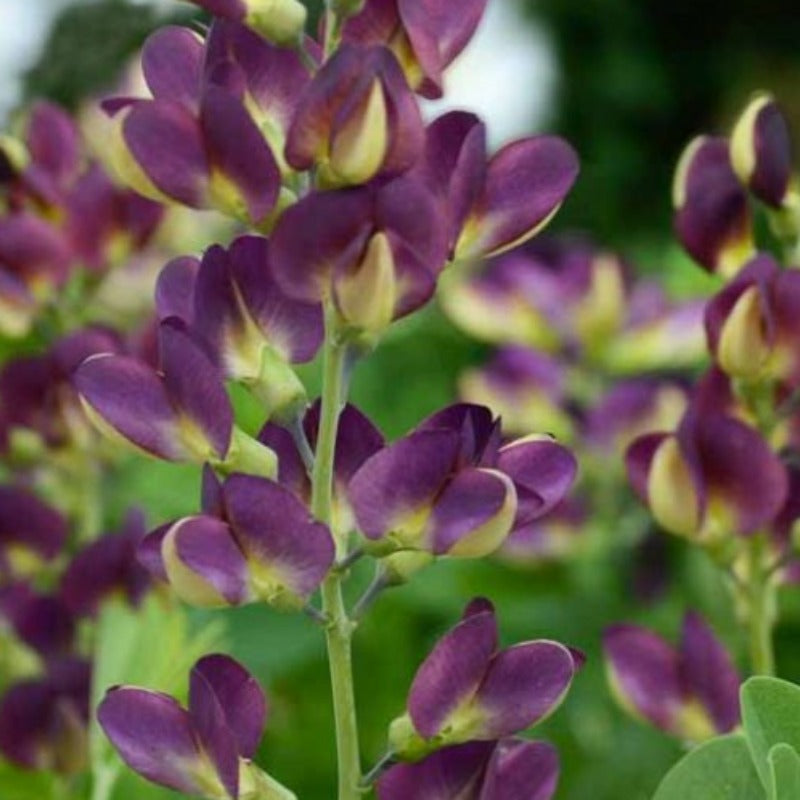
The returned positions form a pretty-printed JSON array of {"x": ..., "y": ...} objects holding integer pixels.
[
  {"x": 760, "y": 594},
  {"x": 339, "y": 630},
  {"x": 333, "y": 31}
]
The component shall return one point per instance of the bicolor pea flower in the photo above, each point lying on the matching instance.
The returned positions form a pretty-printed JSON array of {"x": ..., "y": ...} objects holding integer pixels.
[
  {"x": 761, "y": 151},
  {"x": 203, "y": 751},
  {"x": 450, "y": 488},
  {"x": 631, "y": 409},
  {"x": 251, "y": 327},
  {"x": 44, "y": 722},
  {"x": 691, "y": 691},
  {"x": 195, "y": 142},
  {"x": 494, "y": 206},
  {"x": 468, "y": 689},
  {"x": 356, "y": 119},
  {"x": 523, "y": 387},
  {"x": 30, "y": 532},
  {"x": 714, "y": 477},
  {"x": 357, "y": 439},
  {"x": 376, "y": 251},
  {"x": 753, "y": 324},
  {"x": 713, "y": 220},
  {"x": 181, "y": 413},
  {"x": 425, "y": 37},
  {"x": 106, "y": 567},
  {"x": 279, "y": 21},
  {"x": 254, "y": 541},
  {"x": 511, "y": 769}
]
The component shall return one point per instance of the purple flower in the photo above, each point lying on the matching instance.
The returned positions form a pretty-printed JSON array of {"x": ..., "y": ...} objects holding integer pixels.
[
  {"x": 251, "y": 327},
  {"x": 753, "y": 324},
  {"x": 554, "y": 536},
  {"x": 511, "y": 769},
  {"x": 376, "y": 250},
  {"x": 42, "y": 622},
  {"x": 715, "y": 476},
  {"x": 496, "y": 206},
  {"x": 449, "y": 488},
  {"x": 105, "y": 566},
  {"x": 691, "y": 692},
  {"x": 196, "y": 141},
  {"x": 467, "y": 689},
  {"x": 30, "y": 531},
  {"x": 356, "y": 119},
  {"x": 356, "y": 440},
  {"x": 44, "y": 723},
  {"x": 204, "y": 750},
  {"x": 525, "y": 388},
  {"x": 254, "y": 541},
  {"x": 712, "y": 214},
  {"x": 425, "y": 36},
  {"x": 180, "y": 413},
  {"x": 761, "y": 151}
]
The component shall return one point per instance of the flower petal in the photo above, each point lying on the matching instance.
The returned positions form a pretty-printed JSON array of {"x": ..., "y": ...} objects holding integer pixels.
[
  {"x": 172, "y": 60},
  {"x": 452, "y": 672},
  {"x": 175, "y": 289},
  {"x": 521, "y": 770}
]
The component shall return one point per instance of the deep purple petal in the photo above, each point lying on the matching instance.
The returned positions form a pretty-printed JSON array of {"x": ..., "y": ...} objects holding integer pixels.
[
  {"x": 240, "y": 697},
  {"x": 709, "y": 673},
  {"x": 172, "y": 60},
  {"x": 452, "y": 773},
  {"x": 521, "y": 770},
  {"x": 27, "y": 521},
  {"x": 154, "y": 737},
  {"x": 175, "y": 289},
  {"x": 53, "y": 141},
  {"x": 452, "y": 672}
]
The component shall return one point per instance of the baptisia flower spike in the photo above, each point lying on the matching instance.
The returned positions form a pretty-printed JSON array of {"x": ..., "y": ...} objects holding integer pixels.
[
  {"x": 424, "y": 36},
  {"x": 254, "y": 541},
  {"x": 691, "y": 691},
  {"x": 468, "y": 689},
  {"x": 251, "y": 327},
  {"x": 204, "y": 750},
  {"x": 356, "y": 119},
  {"x": 511, "y": 769},
  {"x": 180, "y": 413},
  {"x": 197, "y": 142},
  {"x": 497, "y": 205},
  {"x": 449, "y": 488},
  {"x": 712, "y": 478}
]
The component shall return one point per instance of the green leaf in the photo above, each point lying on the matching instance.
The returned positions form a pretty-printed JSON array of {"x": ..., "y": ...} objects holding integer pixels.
[
  {"x": 771, "y": 715},
  {"x": 720, "y": 769},
  {"x": 784, "y": 773}
]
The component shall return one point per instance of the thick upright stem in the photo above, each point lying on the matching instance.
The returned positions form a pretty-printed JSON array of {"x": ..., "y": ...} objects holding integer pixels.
[
  {"x": 339, "y": 630},
  {"x": 760, "y": 610}
]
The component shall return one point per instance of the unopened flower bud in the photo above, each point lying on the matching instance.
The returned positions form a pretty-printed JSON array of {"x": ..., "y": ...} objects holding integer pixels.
[
  {"x": 743, "y": 348},
  {"x": 671, "y": 491}
]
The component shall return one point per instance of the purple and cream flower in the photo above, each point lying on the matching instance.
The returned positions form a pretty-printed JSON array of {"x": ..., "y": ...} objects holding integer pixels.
[
  {"x": 30, "y": 532},
  {"x": 691, "y": 691},
  {"x": 495, "y": 206},
  {"x": 254, "y": 541},
  {"x": 251, "y": 327},
  {"x": 510, "y": 769},
  {"x": 761, "y": 151},
  {"x": 204, "y": 750},
  {"x": 106, "y": 567},
  {"x": 468, "y": 689},
  {"x": 450, "y": 488},
  {"x": 44, "y": 722},
  {"x": 713, "y": 477},
  {"x": 424, "y": 36},
  {"x": 357, "y": 119},
  {"x": 376, "y": 251},
  {"x": 753, "y": 324},
  {"x": 196, "y": 141}
]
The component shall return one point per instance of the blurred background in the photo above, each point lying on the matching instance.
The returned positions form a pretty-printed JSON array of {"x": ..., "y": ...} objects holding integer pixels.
[{"x": 627, "y": 83}]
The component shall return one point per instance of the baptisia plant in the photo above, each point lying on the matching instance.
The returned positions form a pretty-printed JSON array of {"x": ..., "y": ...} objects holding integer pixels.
[{"x": 353, "y": 208}]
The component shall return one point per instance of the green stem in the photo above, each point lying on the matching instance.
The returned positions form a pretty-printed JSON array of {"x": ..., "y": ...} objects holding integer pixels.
[
  {"x": 333, "y": 32},
  {"x": 339, "y": 631},
  {"x": 760, "y": 609}
]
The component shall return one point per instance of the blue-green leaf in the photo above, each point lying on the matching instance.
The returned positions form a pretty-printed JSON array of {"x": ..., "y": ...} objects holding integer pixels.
[{"x": 784, "y": 773}]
